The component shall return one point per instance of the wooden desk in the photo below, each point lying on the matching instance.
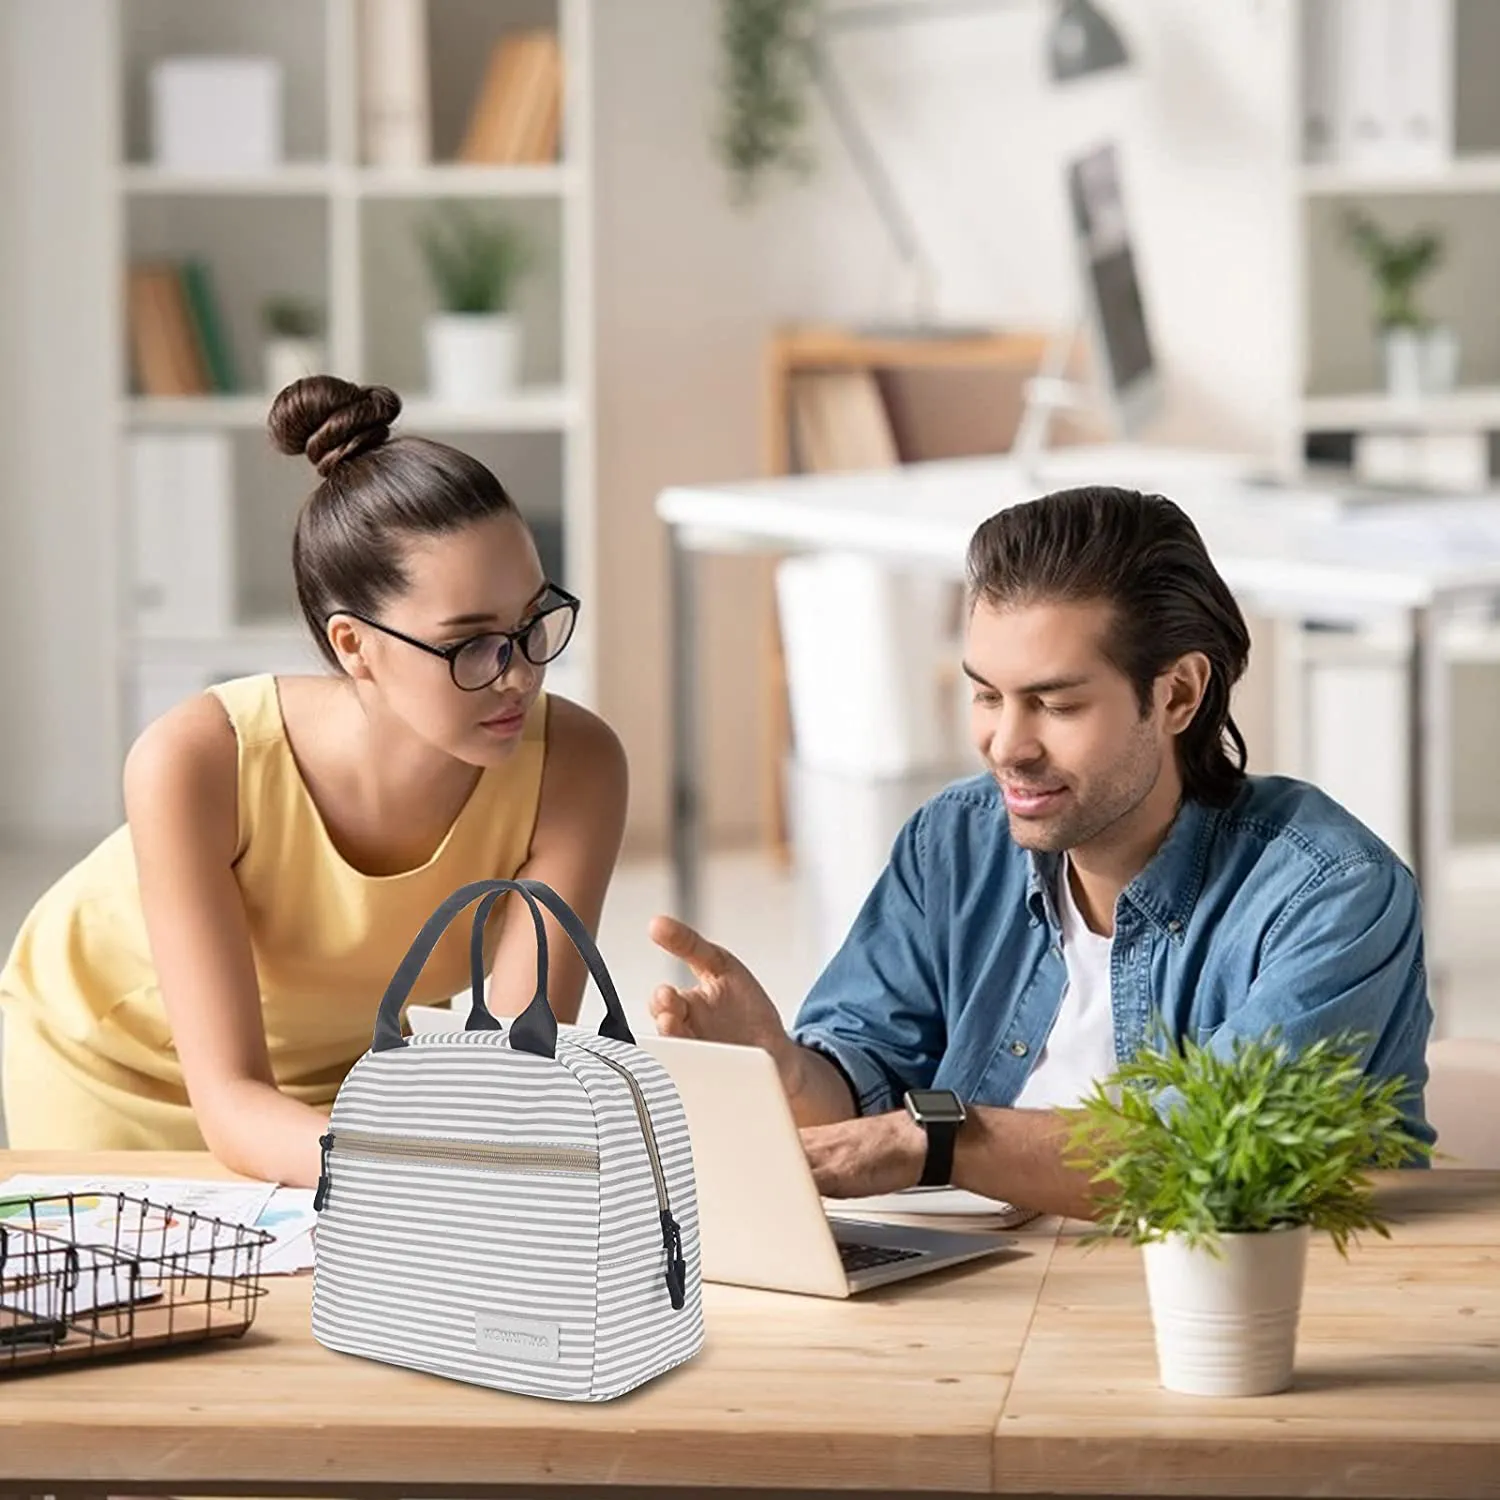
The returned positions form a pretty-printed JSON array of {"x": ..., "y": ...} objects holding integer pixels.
[{"x": 1032, "y": 1376}]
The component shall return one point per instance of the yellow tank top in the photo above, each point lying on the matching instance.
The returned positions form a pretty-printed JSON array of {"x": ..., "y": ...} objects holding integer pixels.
[{"x": 80, "y": 991}]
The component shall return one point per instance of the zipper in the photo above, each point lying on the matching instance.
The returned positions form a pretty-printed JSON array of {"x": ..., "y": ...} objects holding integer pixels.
[
  {"x": 450, "y": 1153},
  {"x": 671, "y": 1235}
]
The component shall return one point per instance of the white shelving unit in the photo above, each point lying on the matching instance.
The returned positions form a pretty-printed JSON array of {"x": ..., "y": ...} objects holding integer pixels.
[
  {"x": 1335, "y": 388},
  {"x": 326, "y": 226},
  {"x": 1339, "y": 385},
  {"x": 1471, "y": 409},
  {"x": 1478, "y": 172}
]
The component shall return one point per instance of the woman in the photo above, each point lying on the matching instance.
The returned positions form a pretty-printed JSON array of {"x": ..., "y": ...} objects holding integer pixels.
[{"x": 210, "y": 972}]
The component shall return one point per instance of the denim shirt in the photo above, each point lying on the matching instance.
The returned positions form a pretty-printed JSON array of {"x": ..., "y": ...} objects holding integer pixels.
[{"x": 1281, "y": 910}]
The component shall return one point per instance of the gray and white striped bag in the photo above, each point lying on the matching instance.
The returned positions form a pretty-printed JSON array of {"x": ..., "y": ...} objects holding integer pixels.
[{"x": 511, "y": 1207}]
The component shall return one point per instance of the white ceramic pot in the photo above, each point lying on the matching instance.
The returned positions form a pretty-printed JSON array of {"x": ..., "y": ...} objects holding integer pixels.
[
  {"x": 287, "y": 360},
  {"x": 472, "y": 357},
  {"x": 1227, "y": 1326},
  {"x": 1404, "y": 353},
  {"x": 1439, "y": 360}
]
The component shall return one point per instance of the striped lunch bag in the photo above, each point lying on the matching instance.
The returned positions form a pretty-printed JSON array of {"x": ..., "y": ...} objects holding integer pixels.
[{"x": 510, "y": 1207}]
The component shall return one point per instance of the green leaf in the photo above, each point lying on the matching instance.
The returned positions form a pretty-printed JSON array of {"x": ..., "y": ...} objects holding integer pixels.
[
  {"x": 1255, "y": 1138},
  {"x": 474, "y": 262},
  {"x": 1396, "y": 264},
  {"x": 765, "y": 77}
]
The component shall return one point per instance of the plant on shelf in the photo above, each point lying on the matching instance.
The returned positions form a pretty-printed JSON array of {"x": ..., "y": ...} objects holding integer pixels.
[
  {"x": 293, "y": 328},
  {"x": 1420, "y": 356},
  {"x": 1221, "y": 1167},
  {"x": 765, "y": 75},
  {"x": 291, "y": 318},
  {"x": 475, "y": 264}
]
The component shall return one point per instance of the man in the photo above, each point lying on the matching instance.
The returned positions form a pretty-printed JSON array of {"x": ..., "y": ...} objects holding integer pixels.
[{"x": 1114, "y": 866}]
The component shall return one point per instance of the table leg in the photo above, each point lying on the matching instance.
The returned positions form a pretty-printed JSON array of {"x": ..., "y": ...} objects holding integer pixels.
[
  {"x": 1429, "y": 808},
  {"x": 686, "y": 808}
]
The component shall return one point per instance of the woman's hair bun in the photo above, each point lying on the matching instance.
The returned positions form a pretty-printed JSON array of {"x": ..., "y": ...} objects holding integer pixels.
[{"x": 330, "y": 420}]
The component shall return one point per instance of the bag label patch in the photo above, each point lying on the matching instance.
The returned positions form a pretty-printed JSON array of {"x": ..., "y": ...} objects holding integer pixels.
[{"x": 520, "y": 1338}]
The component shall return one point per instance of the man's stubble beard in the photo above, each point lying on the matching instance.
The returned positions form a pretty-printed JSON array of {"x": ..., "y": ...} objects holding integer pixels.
[{"x": 1130, "y": 783}]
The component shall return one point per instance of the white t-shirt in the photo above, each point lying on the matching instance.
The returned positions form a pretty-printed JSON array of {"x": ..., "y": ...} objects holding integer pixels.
[{"x": 1080, "y": 1048}]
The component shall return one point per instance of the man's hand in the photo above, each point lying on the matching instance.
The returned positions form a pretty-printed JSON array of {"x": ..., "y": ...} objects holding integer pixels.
[
  {"x": 727, "y": 1004},
  {"x": 859, "y": 1158}
]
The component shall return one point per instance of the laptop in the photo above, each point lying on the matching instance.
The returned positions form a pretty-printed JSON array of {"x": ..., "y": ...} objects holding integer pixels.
[{"x": 761, "y": 1221}]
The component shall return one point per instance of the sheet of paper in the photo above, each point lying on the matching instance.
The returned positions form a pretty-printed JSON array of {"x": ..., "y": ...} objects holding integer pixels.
[
  {"x": 949, "y": 1202},
  {"x": 290, "y": 1218},
  {"x": 289, "y": 1256}
]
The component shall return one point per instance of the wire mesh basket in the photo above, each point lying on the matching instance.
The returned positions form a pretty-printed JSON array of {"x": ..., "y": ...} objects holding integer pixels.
[{"x": 96, "y": 1275}]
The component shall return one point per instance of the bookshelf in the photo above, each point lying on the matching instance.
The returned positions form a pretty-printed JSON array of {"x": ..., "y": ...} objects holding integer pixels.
[
  {"x": 1356, "y": 80},
  {"x": 333, "y": 221},
  {"x": 1360, "y": 75}
]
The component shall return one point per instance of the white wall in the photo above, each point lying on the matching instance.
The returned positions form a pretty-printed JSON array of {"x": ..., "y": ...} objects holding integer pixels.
[
  {"x": 54, "y": 401},
  {"x": 974, "y": 133}
]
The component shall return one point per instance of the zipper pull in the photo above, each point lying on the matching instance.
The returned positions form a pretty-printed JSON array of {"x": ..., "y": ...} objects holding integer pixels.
[
  {"x": 676, "y": 1266},
  {"x": 321, "y": 1196}
]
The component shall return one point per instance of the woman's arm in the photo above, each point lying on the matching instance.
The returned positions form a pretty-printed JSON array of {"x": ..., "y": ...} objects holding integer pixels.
[
  {"x": 580, "y": 824},
  {"x": 181, "y": 801}
]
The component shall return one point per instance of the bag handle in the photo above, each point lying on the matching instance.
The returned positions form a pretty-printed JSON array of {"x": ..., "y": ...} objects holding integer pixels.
[
  {"x": 614, "y": 1025},
  {"x": 480, "y": 1016},
  {"x": 535, "y": 1029}
]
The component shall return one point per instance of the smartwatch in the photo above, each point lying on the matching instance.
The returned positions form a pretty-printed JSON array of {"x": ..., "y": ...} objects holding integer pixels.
[{"x": 939, "y": 1112}]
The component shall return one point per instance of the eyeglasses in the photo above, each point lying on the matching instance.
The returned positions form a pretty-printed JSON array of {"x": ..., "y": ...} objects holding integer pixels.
[{"x": 475, "y": 663}]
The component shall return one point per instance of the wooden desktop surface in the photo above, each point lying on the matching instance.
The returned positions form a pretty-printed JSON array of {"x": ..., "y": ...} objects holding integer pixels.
[{"x": 1035, "y": 1375}]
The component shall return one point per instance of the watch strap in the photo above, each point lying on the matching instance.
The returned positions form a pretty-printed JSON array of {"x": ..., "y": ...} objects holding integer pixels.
[{"x": 937, "y": 1170}]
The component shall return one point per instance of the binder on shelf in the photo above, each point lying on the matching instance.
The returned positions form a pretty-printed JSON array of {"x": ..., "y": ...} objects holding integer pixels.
[
  {"x": 1422, "y": 87},
  {"x": 1377, "y": 83},
  {"x": 1320, "y": 110},
  {"x": 182, "y": 520},
  {"x": 544, "y": 120},
  {"x": 839, "y": 422},
  {"x": 1365, "y": 69},
  {"x": 517, "y": 117},
  {"x": 163, "y": 337},
  {"x": 178, "y": 335},
  {"x": 211, "y": 334},
  {"x": 395, "y": 95}
]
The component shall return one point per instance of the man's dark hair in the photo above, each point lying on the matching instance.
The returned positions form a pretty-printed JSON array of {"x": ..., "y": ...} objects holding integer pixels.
[{"x": 1142, "y": 555}]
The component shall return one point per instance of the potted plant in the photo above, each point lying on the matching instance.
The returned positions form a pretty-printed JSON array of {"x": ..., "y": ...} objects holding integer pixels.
[
  {"x": 293, "y": 328},
  {"x": 1221, "y": 1168},
  {"x": 1421, "y": 357},
  {"x": 474, "y": 341},
  {"x": 765, "y": 77}
]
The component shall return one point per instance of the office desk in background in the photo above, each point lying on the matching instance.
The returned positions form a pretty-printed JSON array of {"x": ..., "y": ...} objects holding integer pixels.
[
  {"x": 1031, "y": 1376},
  {"x": 1289, "y": 552}
]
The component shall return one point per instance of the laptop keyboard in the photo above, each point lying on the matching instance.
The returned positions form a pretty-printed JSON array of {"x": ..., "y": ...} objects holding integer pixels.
[{"x": 867, "y": 1257}]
